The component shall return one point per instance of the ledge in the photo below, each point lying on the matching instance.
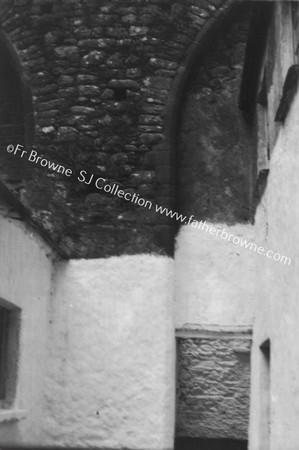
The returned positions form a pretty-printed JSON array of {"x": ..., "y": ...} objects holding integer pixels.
[
  {"x": 9, "y": 415},
  {"x": 214, "y": 332}
]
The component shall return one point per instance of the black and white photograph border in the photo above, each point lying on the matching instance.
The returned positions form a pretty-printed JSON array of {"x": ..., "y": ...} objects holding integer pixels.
[{"x": 148, "y": 224}]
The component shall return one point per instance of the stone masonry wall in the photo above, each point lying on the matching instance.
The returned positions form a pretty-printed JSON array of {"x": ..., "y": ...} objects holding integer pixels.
[
  {"x": 213, "y": 382},
  {"x": 100, "y": 75}
]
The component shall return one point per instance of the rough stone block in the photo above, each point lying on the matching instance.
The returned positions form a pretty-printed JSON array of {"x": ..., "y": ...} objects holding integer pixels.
[
  {"x": 70, "y": 53},
  {"x": 123, "y": 84},
  {"x": 66, "y": 134},
  {"x": 93, "y": 58},
  {"x": 213, "y": 388}
]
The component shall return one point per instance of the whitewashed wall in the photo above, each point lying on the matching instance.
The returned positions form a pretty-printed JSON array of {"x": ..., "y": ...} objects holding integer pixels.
[
  {"x": 214, "y": 283},
  {"x": 110, "y": 367},
  {"x": 277, "y": 307},
  {"x": 25, "y": 281},
  {"x": 97, "y": 347}
]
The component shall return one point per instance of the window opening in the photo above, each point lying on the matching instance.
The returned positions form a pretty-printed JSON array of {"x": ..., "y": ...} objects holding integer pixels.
[
  {"x": 9, "y": 352},
  {"x": 3, "y": 349},
  {"x": 265, "y": 392}
]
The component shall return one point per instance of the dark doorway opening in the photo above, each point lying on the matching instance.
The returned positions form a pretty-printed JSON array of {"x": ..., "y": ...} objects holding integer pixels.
[{"x": 187, "y": 443}]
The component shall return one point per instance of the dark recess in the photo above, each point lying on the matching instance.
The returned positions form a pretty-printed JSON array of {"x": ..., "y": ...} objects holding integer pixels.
[
  {"x": 257, "y": 39},
  {"x": 186, "y": 443}
]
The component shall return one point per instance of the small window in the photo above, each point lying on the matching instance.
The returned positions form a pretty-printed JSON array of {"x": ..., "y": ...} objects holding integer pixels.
[
  {"x": 9, "y": 351},
  {"x": 3, "y": 349},
  {"x": 265, "y": 394}
]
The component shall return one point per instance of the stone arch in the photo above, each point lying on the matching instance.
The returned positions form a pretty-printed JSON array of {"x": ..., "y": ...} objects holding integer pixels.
[
  {"x": 194, "y": 52},
  {"x": 16, "y": 108},
  {"x": 196, "y": 55},
  {"x": 164, "y": 154}
]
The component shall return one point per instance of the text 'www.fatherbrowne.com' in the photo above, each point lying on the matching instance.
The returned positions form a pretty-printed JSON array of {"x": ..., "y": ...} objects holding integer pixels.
[{"x": 113, "y": 188}]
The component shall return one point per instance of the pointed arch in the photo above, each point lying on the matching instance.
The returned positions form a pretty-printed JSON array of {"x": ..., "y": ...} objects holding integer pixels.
[
  {"x": 16, "y": 108},
  {"x": 197, "y": 50},
  {"x": 233, "y": 197}
]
